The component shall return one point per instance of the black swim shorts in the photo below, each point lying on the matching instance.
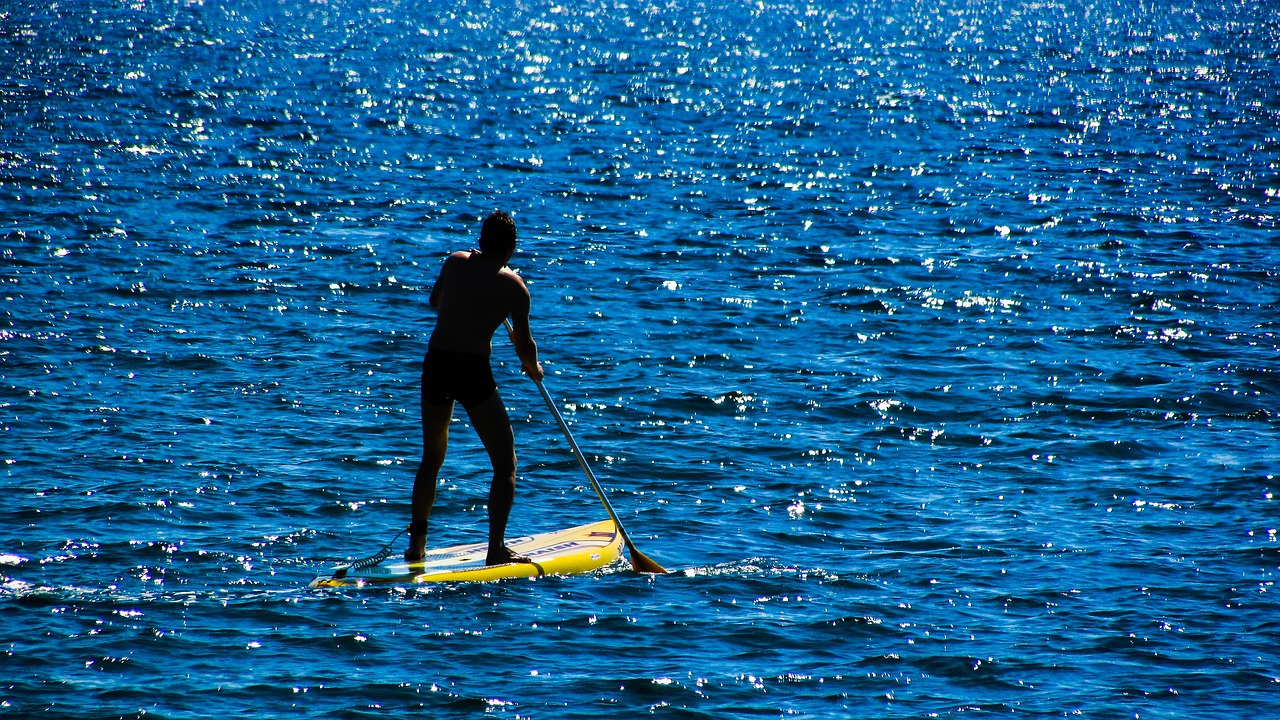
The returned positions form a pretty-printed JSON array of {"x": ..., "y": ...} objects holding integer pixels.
[{"x": 449, "y": 376}]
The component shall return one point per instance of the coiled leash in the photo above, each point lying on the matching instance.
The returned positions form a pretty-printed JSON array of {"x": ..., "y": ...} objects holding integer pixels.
[{"x": 371, "y": 561}]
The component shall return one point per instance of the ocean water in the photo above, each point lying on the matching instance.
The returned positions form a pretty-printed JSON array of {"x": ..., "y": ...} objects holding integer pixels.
[{"x": 932, "y": 345}]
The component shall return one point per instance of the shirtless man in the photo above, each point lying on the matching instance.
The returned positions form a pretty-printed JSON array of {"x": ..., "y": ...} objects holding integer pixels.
[{"x": 475, "y": 293}]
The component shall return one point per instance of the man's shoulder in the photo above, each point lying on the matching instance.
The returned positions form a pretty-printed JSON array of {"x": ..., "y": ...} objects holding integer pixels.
[
  {"x": 514, "y": 285},
  {"x": 511, "y": 276}
]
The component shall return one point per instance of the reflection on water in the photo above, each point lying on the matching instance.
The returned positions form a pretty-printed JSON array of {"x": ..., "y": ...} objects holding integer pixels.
[{"x": 932, "y": 345}]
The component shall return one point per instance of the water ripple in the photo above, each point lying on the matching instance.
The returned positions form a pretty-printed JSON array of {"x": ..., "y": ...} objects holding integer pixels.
[{"x": 933, "y": 347}]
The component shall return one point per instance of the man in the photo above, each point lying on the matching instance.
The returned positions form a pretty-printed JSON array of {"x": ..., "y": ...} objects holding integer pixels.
[{"x": 475, "y": 293}]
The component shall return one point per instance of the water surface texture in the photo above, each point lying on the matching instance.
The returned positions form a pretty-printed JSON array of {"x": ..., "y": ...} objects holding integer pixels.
[{"x": 934, "y": 345}]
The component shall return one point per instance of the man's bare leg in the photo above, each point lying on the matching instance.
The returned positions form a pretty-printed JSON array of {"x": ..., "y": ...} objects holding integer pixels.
[
  {"x": 494, "y": 428},
  {"x": 435, "y": 442}
]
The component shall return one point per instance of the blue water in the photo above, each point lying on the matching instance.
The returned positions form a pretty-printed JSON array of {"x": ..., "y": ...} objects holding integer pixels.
[{"x": 934, "y": 345}]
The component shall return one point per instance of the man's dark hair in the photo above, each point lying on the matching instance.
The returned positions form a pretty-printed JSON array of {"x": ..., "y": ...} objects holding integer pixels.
[{"x": 497, "y": 234}]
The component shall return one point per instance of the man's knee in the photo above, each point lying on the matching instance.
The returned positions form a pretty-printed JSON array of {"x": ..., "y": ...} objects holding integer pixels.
[
  {"x": 502, "y": 472},
  {"x": 432, "y": 459}
]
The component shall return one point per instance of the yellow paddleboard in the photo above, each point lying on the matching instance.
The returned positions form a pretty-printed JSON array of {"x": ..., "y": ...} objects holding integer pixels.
[{"x": 575, "y": 550}]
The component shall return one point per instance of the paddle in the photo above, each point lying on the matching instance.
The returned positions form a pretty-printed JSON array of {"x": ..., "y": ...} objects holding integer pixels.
[{"x": 639, "y": 561}]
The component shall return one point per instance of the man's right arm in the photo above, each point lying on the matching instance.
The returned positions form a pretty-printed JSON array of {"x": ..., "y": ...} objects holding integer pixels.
[{"x": 522, "y": 334}]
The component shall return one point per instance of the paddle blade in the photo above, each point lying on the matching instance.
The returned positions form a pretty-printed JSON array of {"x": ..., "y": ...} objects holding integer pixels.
[{"x": 642, "y": 564}]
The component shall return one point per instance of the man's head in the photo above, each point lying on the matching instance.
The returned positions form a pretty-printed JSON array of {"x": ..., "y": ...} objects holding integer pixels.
[{"x": 498, "y": 234}]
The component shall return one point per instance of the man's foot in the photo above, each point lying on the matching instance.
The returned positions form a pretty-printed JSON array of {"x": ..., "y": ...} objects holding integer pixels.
[
  {"x": 503, "y": 555},
  {"x": 417, "y": 550}
]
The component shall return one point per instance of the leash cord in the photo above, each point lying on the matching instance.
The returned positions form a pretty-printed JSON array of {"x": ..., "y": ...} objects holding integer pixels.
[{"x": 371, "y": 561}]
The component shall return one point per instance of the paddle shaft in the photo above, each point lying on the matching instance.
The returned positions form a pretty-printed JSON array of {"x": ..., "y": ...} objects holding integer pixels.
[
  {"x": 564, "y": 427},
  {"x": 639, "y": 561}
]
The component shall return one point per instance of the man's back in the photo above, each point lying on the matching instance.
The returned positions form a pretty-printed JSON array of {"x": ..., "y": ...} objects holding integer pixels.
[{"x": 474, "y": 294}]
